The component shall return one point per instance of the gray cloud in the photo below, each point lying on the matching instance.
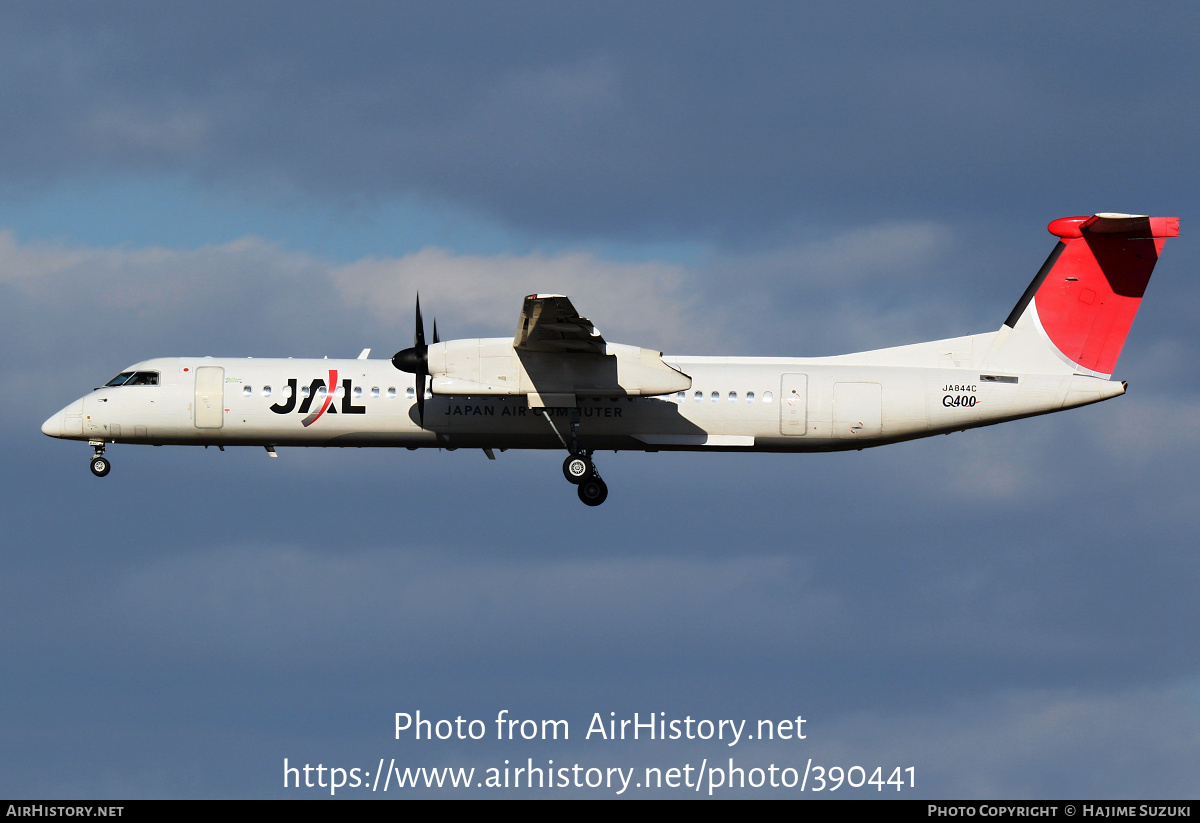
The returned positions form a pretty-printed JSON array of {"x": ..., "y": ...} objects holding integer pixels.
[{"x": 626, "y": 119}]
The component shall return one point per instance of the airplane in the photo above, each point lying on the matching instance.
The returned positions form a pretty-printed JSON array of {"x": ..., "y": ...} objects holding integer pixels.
[{"x": 558, "y": 384}]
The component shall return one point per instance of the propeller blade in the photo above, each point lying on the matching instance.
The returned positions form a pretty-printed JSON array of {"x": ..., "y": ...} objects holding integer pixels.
[
  {"x": 415, "y": 359},
  {"x": 419, "y": 337},
  {"x": 421, "y": 400}
]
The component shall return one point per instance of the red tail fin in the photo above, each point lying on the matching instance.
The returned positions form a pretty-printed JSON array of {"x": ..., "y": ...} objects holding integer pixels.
[{"x": 1086, "y": 295}]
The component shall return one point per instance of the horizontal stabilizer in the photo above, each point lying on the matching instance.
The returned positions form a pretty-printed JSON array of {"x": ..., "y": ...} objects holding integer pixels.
[{"x": 1131, "y": 225}]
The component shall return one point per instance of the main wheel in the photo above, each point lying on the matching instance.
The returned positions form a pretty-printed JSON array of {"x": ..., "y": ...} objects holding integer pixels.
[
  {"x": 577, "y": 468},
  {"x": 593, "y": 491},
  {"x": 100, "y": 466}
]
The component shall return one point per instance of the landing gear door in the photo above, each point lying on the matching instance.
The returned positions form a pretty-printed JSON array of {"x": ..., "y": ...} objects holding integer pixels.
[
  {"x": 793, "y": 404},
  {"x": 209, "y": 407}
]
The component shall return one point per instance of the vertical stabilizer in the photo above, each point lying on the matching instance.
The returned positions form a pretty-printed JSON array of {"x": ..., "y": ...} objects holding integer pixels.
[{"x": 1084, "y": 298}]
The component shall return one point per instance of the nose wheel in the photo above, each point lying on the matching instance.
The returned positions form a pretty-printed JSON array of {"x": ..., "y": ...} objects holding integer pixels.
[{"x": 100, "y": 465}]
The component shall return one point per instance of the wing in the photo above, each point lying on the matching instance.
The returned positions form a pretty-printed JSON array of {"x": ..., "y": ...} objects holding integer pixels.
[{"x": 549, "y": 323}]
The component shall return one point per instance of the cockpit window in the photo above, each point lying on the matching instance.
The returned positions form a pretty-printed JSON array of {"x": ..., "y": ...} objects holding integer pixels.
[{"x": 134, "y": 378}]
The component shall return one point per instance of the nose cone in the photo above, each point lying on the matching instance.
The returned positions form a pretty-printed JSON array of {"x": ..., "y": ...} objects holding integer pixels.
[
  {"x": 54, "y": 426},
  {"x": 67, "y": 422}
]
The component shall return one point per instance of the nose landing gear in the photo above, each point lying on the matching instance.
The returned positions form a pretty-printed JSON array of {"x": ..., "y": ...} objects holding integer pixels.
[{"x": 100, "y": 464}]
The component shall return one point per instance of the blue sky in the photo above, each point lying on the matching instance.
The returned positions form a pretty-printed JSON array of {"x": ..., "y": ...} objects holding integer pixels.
[
  {"x": 1007, "y": 610},
  {"x": 181, "y": 213}
]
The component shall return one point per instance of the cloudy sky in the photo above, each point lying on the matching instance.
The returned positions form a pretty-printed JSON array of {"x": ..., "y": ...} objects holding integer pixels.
[{"x": 1009, "y": 611}]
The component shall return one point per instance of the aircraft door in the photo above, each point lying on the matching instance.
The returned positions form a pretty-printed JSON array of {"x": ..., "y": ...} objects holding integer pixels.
[
  {"x": 209, "y": 405},
  {"x": 793, "y": 404}
]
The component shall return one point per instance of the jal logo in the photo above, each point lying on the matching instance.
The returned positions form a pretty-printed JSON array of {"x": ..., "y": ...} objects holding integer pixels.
[{"x": 288, "y": 404}]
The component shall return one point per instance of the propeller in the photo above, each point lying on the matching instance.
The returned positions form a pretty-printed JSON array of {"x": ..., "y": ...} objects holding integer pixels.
[{"x": 415, "y": 360}]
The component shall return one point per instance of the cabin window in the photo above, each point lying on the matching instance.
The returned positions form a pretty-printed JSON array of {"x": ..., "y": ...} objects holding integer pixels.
[
  {"x": 266, "y": 391},
  {"x": 410, "y": 393},
  {"x": 287, "y": 392},
  {"x": 391, "y": 393},
  {"x": 766, "y": 397},
  {"x": 750, "y": 397},
  {"x": 247, "y": 391},
  {"x": 304, "y": 391},
  {"x": 733, "y": 397},
  {"x": 699, "y": 396},
  {"x": 681, "y": 397},
  {"x": 375, "y": 392},
  {"x": 358, "y": 392},
  {"x": 716, "y": 397}
]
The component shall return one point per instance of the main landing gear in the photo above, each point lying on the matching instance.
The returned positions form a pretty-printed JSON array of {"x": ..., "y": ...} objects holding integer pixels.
[
  {"x": 100, "y": 464},
  {"x": 578, "y": 468}
]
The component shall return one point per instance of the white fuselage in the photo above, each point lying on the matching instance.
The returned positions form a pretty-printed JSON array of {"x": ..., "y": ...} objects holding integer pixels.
[{"x": 734, "y": 403}]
